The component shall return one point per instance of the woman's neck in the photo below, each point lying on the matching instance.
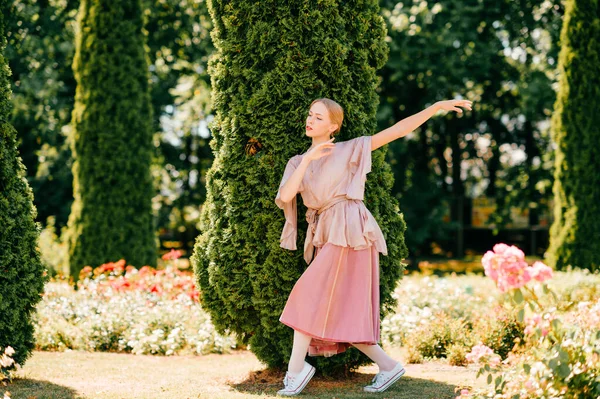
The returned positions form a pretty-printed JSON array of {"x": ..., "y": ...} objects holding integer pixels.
[{"x": 317, "y": 141}]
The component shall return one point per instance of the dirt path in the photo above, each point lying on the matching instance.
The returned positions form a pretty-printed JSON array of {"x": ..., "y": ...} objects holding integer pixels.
[{"x": 237, "y": 375}]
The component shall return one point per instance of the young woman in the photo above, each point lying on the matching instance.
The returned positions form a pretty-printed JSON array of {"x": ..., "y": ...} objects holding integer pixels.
[{"x": 335, "y": 303}]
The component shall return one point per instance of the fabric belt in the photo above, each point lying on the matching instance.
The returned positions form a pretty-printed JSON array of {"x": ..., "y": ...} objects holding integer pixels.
[{"x": 312, "y": 219}]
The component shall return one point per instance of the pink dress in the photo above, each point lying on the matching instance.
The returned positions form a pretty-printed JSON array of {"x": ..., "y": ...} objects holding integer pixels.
[{"x": 336, "y": 300}]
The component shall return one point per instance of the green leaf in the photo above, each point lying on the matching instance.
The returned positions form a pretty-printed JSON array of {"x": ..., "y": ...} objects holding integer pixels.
[
  {"x": 521, "y": 315},
  {"x": 518, "y": 296},
  {"x": 563, "y": 370},
  {"x": 545, "y": 288},
  {"x": 489, "y": 379},
  {"x": 487, "y": 368},
  {"x": 526, "y": 368},
  {"x": 497, "y": 381},
  {"x": 563, "y": 356}
]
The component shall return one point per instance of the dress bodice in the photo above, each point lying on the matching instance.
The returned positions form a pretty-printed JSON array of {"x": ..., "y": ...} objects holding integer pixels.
[{"x": 332, "y": 189}]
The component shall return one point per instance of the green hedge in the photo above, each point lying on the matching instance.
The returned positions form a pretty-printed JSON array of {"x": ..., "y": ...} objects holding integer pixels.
[
  {"x": 575, "y": 233},
  {"x": 111, "y": 216},
  {"x": 273, "y": 58},
  {"x": 22, "y": 276}
]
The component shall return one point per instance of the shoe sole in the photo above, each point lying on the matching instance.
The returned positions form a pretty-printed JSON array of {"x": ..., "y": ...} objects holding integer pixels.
[
  {"x": 388, "y": 383},
  {"x": 302, "y": 385}
]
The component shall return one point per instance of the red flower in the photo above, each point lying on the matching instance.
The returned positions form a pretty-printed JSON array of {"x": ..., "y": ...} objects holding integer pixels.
[{"x": 156, "y": 288}]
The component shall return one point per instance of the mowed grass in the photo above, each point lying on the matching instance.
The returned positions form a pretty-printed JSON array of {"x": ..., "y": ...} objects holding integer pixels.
[{"x": 77, "y": 374}]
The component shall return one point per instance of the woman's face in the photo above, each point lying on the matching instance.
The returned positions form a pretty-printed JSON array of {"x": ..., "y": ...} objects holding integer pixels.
[{"x": 318, "y": 122}]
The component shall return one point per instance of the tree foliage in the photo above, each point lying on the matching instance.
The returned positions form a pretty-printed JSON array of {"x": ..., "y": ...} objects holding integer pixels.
[
  {"x": 500, "y": 55},
  {"x": 22, "y": 275}
]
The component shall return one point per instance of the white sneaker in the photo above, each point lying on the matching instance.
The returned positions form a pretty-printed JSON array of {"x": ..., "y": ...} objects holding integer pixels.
[
  {"x": 384, "y": 379},
  {"x": 295, "y": 384}
]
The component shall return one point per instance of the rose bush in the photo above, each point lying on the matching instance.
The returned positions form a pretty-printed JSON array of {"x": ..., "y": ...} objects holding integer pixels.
[{"x": 562, "y": 359}]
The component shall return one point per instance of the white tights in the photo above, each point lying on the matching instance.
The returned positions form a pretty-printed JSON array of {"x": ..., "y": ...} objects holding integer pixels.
[{"x": 300, "y": 348}]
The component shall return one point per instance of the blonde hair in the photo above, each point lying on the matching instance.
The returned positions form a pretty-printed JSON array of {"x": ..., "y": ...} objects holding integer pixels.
[{"x": 335, "y": 110}]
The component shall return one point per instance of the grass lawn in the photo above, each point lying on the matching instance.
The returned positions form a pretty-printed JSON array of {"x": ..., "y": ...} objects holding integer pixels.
[{"x": 77, "y": 374}]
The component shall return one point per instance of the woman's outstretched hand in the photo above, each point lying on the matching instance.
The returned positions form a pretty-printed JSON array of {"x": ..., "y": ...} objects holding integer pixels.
[
  {"x": 320, "y": 150},
  {"x": 452, "y": 105}
]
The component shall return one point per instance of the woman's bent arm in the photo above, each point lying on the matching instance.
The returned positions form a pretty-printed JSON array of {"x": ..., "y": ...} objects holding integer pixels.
[{"x": 291, "y": 186}]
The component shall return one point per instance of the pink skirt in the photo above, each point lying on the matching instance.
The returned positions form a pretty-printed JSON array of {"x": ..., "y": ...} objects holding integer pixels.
[{"x": 336, "y": 300}]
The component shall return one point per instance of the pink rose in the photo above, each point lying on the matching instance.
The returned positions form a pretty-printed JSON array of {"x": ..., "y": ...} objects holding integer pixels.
[
  {"x": 506, "y": 265},
  {"x": 541, "y": 272}
]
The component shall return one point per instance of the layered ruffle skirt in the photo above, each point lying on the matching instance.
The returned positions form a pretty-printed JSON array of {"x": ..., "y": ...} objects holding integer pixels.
[{"x": 336, "y": 300}]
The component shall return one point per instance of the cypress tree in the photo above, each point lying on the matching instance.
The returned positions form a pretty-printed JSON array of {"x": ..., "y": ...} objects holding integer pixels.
[
  {"x": 575, "y": 233},
  {"x": 22, "y": 275},
  {"x": 273, "y": 58},
  {"x": 111, "y": 216}
]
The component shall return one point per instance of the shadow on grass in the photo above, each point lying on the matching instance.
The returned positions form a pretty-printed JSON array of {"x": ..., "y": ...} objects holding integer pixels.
[
  {"x": 29, "y": 388},
  {"x": 268, "y": 382}
]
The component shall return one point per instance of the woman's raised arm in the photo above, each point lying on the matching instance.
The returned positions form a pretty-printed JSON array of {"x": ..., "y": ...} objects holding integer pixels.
[{"x": 407, "y": 125}]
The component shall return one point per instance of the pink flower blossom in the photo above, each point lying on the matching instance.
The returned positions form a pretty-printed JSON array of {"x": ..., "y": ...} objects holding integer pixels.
[
  {"x": 506, "y": 265},
  {"x": 541, "y": 272},
  {"x": 538, "y": 321},
  {"x": 481, "y": 351},
  {"x": 173, "y": 254}
]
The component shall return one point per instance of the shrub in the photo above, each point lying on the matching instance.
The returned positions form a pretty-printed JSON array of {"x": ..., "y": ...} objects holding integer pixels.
[
  {"x": 433, "y": 339},
  {"x": 272, "y": 60},
  {"x": 54, "y": 251},
  {"x": 500, "y": 331},
  {"x": 457, "y": 354}
]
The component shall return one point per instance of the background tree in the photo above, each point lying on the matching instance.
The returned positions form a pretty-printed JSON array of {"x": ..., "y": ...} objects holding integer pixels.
[
  {"x": 180, "y": 44},
  {"x": 575, "y": 233},
  {"x": 40, "y": 50},
  {"x": 496, "y": 53},
  {"x": 22, "y": 275},
  {"x": 111, "y": 217},
  {"x": 272, "y": 60}
]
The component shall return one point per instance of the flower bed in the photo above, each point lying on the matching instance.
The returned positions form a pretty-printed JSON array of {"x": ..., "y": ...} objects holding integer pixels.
[{"x": 119, "y": 308}]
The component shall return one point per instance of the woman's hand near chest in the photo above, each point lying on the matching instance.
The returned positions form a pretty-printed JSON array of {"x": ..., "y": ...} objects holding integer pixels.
[
  {"x": 290, "y": 188},
  {"x": 319, "y": 151}
]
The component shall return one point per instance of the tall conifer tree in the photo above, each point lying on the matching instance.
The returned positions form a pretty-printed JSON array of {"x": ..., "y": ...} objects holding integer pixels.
[
  {"x": 575, "y": 233},
  {"x": 273, "y": 58},
  {"x": 111, "y": 217},
  {"x": 22, "y": 275}
]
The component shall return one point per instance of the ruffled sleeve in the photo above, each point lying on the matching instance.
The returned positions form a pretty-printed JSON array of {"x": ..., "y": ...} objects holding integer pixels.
[
  {"x": 290, "y": 229},
  {"x": 359, "y": 165}
]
